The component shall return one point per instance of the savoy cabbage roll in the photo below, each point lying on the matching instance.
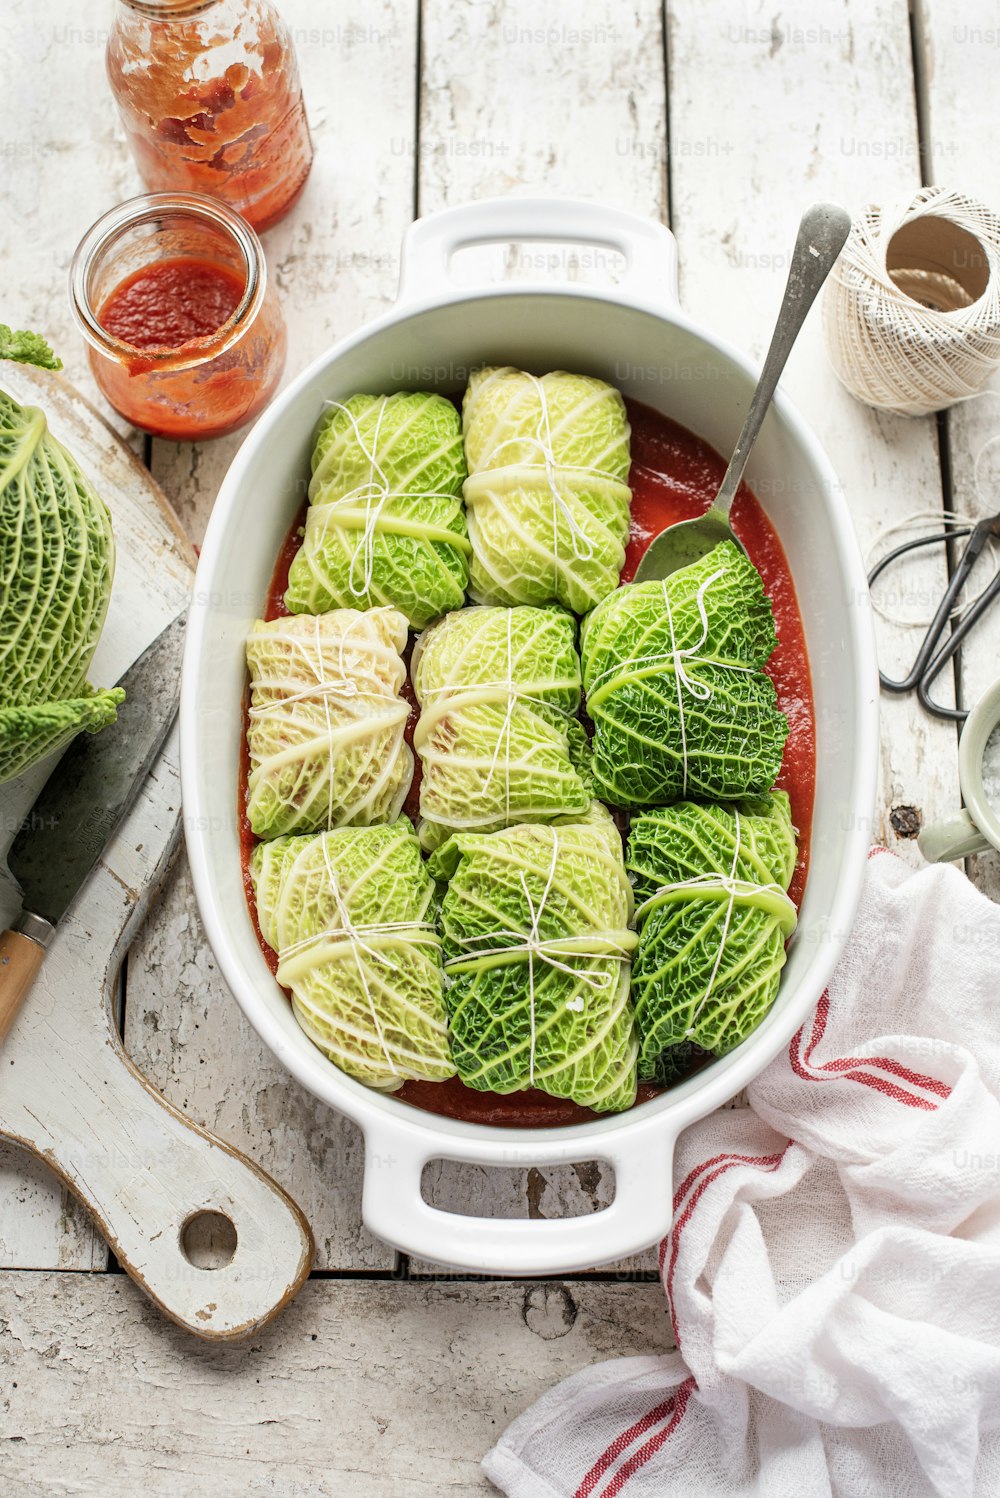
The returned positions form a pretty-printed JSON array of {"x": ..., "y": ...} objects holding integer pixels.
[
  {"x": 536, "y": 939},
  {"x": 350, "y": 914},
  {"x": 713, "y": 915},
  {"x": 497, "y": 736},
  {"x": 326, "y": 721},
  {"x": 676, "y": 689},
  {"x": 386, "y": 523},
  {"x": 547, "y": 495}
]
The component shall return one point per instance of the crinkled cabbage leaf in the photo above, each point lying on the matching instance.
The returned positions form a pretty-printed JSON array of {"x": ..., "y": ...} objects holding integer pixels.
[
  {"x": 497, "y": 736},
  {"x": 57, "y": 561},
  {"x": 385, "y": 523},
  {"x": 326, "y": 722},
  {"x": 535, "y": 926},
  {"x": 350, "y": 915},
  {"x": 675, "y": 686},
  {"x": 547, "y": 494},
  {"x": 713, "y": 920}
]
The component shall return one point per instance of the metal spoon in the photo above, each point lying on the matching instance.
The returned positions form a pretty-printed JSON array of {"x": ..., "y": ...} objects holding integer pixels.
[{"x": 822, "y": 233}]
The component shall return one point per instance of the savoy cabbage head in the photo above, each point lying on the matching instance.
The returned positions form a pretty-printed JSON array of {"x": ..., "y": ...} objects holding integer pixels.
[
  {"x": 350, "y": 915},
  {"x": 675, "y": 686},
  {"x": 535, "y": 926},
  {"x": 547, "y": 494},
  {"x": 385, "y": 523},
  {"x": 713, "y": 918},
  {"x": 57, "y": 562}
]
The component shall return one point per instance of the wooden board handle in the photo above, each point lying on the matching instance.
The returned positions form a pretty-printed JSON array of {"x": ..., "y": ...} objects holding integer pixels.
[
  {"x": 209, "y": 1236},
  {"x": 20, "y": 961}
]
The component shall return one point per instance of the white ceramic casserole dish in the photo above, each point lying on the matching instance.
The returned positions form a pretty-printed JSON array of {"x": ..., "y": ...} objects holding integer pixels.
[{"x": 636, "y": 336}]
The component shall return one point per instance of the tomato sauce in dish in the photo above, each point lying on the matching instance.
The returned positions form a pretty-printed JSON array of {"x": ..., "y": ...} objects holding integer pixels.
[{"x": 674, "y": 476}]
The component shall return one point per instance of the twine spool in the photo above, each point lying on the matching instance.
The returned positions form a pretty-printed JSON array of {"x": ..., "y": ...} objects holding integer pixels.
[{"x": 911, "y": 312}]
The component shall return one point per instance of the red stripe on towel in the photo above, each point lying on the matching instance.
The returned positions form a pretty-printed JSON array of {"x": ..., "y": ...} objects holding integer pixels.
[
  {"x": 639, "y": 1458},
  {"x": 764, "y": 1162},
  {"x": 621, "y": 1443},
  {"x": 855, "y": 1067}
]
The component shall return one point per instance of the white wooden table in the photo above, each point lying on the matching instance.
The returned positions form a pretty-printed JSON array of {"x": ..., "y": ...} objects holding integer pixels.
[{"x": 723, "y": 118}]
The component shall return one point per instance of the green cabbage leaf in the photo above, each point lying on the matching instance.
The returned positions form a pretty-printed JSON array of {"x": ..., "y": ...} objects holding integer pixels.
[
  {"x": 57, "y": 561},
  {"x": 385, "y": 524},
  {"x": 675, "y": 686},
  {"x": 547, "y": 495},
  {"x": 535, "y": 926},
  {"x": 713, "y": 918},
  {"x": 497, "y": 736},
  {"x": 350, "y": 915},
  {"x": 326, "y": 721}
]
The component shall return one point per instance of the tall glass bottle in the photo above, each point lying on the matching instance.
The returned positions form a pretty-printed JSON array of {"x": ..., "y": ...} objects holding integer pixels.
[{"x": 209, "y": 94}]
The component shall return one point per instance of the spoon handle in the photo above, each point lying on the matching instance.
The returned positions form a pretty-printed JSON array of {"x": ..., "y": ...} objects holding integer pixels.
[{"x": 822, "y": 232}]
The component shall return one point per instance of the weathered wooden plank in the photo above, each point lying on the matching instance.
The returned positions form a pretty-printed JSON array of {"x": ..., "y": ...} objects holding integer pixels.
[
  {"x": 369, "y": 1389},
  {"x": 819, "y": 104},
  {"x": 335, "y": 260},
  {"x": 58, "y": 175},
  {"x": 960, "y": 54},
  {"x": 515, "y": 100}
]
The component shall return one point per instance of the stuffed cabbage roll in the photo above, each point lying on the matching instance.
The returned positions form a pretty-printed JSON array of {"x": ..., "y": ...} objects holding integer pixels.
[
  {"x": 675, "y": 686},
  {"x": 385, "y": 523},
  {"x": 535, "y": 924},
  {"x": 497, "y": 737},
  {"x": 547, "y": 495},
  {"x": 713, "y": 919},
  {"x": 326, "y": 722},
  {"x": 350, "y": 915}
]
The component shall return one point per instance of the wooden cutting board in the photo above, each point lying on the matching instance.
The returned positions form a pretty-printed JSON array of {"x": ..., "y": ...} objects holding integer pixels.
[{"x": 209, "y": 1236}]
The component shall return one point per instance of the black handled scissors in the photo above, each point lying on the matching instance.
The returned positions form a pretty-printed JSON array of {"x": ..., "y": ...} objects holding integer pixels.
[{"x": 930, "y": 660}]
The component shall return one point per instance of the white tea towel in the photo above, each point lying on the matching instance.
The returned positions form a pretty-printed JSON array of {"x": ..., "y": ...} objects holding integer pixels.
[{"x": 833, "y": 1268}]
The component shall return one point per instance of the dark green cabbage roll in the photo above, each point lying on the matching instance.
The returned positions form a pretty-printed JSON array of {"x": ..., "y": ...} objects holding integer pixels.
[{"x": 713, "y": 919}]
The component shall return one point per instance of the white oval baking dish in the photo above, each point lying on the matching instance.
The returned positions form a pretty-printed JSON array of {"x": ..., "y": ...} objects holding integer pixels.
[{"x": 636, "y": 336}]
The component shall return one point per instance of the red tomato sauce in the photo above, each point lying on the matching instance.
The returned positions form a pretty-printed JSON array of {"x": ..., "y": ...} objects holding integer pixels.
[
  {"x": 674, "y": 476},
  {"x": 170, "y": 302}
]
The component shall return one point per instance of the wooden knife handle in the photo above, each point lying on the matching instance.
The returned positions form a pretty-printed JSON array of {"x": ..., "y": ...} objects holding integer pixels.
[{"x": 20, "y": 962}]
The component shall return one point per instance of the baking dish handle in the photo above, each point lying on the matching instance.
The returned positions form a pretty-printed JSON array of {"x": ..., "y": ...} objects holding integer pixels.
[
  {"x": 394, "y": 1209},
  {"x": 650, "y": 250}
]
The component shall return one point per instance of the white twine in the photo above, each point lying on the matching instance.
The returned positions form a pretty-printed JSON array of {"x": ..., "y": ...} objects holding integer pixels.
[
  {"x": 373, "y": 493},
  {"x": 549, "y": 949},
  {"x": 734, "y": 889},
  {"x": 357, "y": 938},
  {"x": 677, "y": 657},
  {"x": 913, "y": 340}
]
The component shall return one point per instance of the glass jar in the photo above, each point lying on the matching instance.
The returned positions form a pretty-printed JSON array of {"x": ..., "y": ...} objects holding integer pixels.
[
  {"x": 209, "y": 94},
  {"x": 148, "y": 284}
]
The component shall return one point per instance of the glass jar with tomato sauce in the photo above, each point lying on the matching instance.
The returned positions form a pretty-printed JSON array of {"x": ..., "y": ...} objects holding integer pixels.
[
  {"x": 187, "y": 340},
  {"x": 209, "y": 94}
]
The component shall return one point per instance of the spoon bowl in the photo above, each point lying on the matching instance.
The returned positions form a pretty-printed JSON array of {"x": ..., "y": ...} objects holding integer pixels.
[{"x": 821, "y": 236}]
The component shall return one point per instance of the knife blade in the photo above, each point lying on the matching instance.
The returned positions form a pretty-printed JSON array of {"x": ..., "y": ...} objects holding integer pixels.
[{"x": 79, "y": 808}]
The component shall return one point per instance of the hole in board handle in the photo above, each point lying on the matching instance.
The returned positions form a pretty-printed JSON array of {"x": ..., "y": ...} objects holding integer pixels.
[{"x": 208, "y": 1240}]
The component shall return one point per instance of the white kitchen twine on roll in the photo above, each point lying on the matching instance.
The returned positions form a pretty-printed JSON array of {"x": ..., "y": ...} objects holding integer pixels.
[{"x": 911, "y": 312}]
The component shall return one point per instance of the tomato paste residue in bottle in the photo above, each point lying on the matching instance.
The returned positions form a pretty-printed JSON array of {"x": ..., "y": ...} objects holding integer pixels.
[{"x": 209, "y": 95}]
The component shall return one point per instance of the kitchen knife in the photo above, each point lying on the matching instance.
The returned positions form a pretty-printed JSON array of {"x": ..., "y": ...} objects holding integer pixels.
[{"x": 79, "y": 808}]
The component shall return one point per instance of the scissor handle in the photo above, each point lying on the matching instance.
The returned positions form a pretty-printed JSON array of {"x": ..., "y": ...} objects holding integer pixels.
[
  {"x": 937, "y": 624},
  {"x": 944, "y": 655}
]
